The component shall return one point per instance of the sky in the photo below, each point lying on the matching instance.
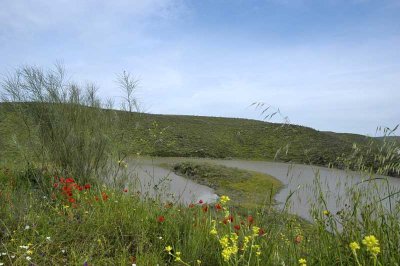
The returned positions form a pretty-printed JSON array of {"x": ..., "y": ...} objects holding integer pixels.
[{"x": 331, "y": 65}]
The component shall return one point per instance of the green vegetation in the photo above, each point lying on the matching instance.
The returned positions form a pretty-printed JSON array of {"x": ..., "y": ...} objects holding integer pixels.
[
  {"x": 131, "y": 133},
  {"x": 247, "y": 189},
  {"x": 64, "y": 201},
  {"x": 60, "y": 221}
]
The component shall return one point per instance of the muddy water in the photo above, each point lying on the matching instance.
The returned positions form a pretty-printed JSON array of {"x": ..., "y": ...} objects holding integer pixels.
[
  {"x": 156, "y": 181},
  {"x": 300, "y": 181}
]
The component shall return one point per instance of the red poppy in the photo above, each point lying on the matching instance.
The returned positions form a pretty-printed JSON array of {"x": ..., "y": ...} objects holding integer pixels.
[
  {"x": 200, "y": 201},
  {"x": 228, "y": 219},
  {"x": 261, "y": 232},
  {"x": 80, "y": 188},
  {"x": 205, "y": 207},
  {"x": 87, "y": 186},
  {"x": 250, "y": 219},
  {"x": 69, "y": 180},
  {"x": 161, "y": 219},
  {"x": 72, "y": 200},
  {"x": 55, "y": 185},
  {"x": 62, "y": 180},
  {"x": 218, "y": 207},
  {"x": 298, "y": 239},
  {"x": 104, "y": 196},
  {"x": 237, "y": 227},
  {"x": 125, "y": 190}
]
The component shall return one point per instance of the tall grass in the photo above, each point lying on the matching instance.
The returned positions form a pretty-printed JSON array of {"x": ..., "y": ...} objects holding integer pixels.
[{"x": 56, "y": 124}]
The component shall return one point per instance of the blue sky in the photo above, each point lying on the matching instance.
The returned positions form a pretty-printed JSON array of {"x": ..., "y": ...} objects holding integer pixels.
[{"x": 330, "y": 65}]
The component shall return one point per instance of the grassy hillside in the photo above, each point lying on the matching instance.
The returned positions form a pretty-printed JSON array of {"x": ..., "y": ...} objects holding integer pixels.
[
  {"x": 198, "y": 136},
  {"x": 215, "y": 137}
]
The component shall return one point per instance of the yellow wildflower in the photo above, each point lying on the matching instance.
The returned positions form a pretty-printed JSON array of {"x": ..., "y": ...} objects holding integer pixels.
[
  {"x": 326, "y": 212},
  {"x": 246, "y": 241},
  {"x": 224, "y": 199},
  {"x": 257, "y": 250},
  {"x": 372, "y": 244},
  {"x": 168, "y": 249},
  {"x": 354, "y": 246},
  {"x": 256, "y": 230},
  {"x": 224, "y": 241},
  {"x": 302, "y": 262}
]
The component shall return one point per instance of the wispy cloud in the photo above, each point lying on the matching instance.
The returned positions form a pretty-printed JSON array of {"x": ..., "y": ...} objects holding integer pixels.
[{"x": 332, "y": 65}]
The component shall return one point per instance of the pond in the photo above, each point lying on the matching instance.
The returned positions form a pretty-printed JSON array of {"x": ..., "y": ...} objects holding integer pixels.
[{"x": 300, "y": 181}]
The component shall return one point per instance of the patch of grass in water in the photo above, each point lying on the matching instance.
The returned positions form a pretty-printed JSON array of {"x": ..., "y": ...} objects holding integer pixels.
[{"x": 247, "y": 189}]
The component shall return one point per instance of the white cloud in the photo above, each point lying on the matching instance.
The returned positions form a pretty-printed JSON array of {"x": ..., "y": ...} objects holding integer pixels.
[{"x": 39, "y": 15}]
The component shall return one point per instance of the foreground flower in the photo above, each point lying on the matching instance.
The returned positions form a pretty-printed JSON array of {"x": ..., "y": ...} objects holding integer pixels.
[
  {"x": 213, "y": 230},
  {"x": 354, "y": 246},
  {"x": 104, "y": 196},
  {"x": 218, "y": 207},
  {"x": 224, "y": 199},
  {"x": 302, "y": 262},
  {"x": 372, "y": 245},
  {"x": 256, "y": 230}
]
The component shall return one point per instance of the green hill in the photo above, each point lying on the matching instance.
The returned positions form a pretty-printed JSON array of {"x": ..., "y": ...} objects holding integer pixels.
[{"x": 216, "y": 137}]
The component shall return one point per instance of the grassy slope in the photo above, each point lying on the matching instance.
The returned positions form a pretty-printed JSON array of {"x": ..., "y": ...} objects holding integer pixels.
[
  {"x": 199, "y": 136},
  {"x": 215, "y": 137}
]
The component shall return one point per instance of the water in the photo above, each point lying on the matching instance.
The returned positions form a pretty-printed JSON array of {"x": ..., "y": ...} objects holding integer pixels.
[
  {"x": 155, "y": 181},
  {"x": 299, "y": 180}
]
